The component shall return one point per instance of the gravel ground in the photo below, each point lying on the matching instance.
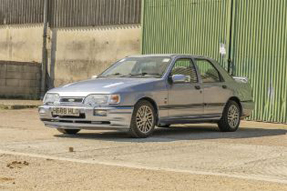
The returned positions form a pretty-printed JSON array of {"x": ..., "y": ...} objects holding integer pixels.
[
  {"x": 43, "y": 174},
  {"x": 191, "y": 157}
]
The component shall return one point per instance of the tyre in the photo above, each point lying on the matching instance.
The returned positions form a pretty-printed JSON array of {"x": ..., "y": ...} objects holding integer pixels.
[
  {"x": 69, "y": 131},
  {"x": 143, "y": 120},
  {"x": 230, "y": 120}
]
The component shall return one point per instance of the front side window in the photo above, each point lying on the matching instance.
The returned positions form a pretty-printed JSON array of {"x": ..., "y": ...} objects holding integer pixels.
[
  {"x": 138, "y": 67},
  {"x": 185, "y": 67},
  {"x": 207, "y": 71}
]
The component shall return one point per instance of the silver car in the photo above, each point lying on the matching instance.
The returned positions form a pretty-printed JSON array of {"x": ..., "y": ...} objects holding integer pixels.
[{"x": 138, "y": 93}]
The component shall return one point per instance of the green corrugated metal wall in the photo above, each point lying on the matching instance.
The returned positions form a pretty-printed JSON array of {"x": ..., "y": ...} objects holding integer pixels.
[
  {"x": 259, "y": 52},
  {"x": 258, "y": 41},
  {"x": 183, "y": 26}
]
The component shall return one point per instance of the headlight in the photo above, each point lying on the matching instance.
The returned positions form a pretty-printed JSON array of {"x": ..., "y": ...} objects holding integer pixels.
[
  {"x": 93, "y": 100},
  {"x": 51, "y": 99}
]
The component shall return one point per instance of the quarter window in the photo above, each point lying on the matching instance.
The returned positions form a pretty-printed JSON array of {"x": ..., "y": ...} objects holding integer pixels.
[
  {"x": 187, "y": 68},
  {"x": 207, "y": 72}
]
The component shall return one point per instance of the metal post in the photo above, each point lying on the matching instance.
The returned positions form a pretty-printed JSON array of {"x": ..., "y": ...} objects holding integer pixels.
[
  {"x": 44, "y": 50},
  {"x": 230, "y": 39}
]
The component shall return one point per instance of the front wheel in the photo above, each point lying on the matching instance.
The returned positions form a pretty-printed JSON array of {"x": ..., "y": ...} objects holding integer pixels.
[
  {"x": 143, "y": 120},
  {"x": 230, "y": 120},
  {"x": 69, "y": 131}
]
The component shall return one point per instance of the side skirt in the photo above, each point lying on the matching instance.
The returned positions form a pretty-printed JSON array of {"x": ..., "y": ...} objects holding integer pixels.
[{"x": 214, "y": 118}]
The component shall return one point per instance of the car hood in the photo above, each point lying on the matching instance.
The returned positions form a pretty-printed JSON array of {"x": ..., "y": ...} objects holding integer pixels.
[{"x": 100, "y": 86}]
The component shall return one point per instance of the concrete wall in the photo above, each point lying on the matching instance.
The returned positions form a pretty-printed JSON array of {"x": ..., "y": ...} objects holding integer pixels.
[
  {"x": 19, "y": 80},
  {"x": 20, "y": 55},
  {"x": 21, "y": 43},
  {"x": 74, "y": 53},
  {"x": 80, "y": 53}
]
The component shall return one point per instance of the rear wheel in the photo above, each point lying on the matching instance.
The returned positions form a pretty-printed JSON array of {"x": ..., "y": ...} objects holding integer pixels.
[
  {"x": 143, "y": 120},
  {"x": 69, "y": 131},
  {"x": 230, "y": 120}
]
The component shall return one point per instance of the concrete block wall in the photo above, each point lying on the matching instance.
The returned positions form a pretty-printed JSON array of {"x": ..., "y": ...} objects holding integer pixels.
[{"x": 20, "y": 80}]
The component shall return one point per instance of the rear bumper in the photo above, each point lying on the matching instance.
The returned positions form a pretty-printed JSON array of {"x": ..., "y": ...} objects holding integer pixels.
[
  {"x": 247, "y": 107},
  {"x": 116, "y": 118}
]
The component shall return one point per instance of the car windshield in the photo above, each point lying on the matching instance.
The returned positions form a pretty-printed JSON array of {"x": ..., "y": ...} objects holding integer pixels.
[{"x": 138, "y": 67}]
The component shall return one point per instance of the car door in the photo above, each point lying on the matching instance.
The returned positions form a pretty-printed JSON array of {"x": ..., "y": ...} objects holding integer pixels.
[
  {"x": 215, "y": 90},
  {"x": 185, "y": 99}
]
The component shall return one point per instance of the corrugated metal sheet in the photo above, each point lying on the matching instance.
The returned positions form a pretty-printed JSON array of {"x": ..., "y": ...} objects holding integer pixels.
[
  {"x": 71, "y": 13},
  {"x": 21, "y": 11},
  {"x": 186, "y": 26},
  {"x": 259, "y": 52},
  {"x": 258, "y": 42}
]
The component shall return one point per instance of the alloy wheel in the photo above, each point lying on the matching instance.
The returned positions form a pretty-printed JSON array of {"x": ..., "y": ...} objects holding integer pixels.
[
  {"x": 233, "y": 116},
  {"x": 144, "y": 119}
]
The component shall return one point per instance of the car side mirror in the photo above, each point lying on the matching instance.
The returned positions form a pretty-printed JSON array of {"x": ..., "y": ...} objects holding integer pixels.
[
  {"x": 94, "y": 77},
  {"x": 178, "y": 78}
]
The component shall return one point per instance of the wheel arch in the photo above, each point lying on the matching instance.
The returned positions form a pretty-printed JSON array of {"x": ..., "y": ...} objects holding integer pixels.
[
  {"x": 237, "y": 100},
  {"x": 154, "y": 104}
]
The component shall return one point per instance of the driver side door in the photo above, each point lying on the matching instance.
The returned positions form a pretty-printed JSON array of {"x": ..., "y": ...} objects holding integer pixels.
[{"x": 186, "y": 98}]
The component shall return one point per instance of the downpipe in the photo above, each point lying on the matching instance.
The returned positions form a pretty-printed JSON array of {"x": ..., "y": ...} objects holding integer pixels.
[{"x": 44, "y": 50}]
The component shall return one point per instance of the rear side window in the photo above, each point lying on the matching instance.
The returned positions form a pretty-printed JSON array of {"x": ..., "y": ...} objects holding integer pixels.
[
  {"x": 207, "y": 71},
  {"x": 187, "y": 68}
]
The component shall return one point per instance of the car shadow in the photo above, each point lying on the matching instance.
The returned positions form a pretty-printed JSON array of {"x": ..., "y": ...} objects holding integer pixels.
[{"x": 178, "y": 133}]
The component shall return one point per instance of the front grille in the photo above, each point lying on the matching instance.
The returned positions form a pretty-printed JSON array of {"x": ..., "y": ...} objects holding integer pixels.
[{"x": 71, "y": 100}]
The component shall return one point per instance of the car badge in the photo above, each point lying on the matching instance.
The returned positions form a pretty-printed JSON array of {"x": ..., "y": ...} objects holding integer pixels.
[{"x": 71, "y": 100}]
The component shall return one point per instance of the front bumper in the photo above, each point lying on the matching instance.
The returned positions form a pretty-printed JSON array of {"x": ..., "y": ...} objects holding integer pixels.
[{"x": 117, "y": 118}]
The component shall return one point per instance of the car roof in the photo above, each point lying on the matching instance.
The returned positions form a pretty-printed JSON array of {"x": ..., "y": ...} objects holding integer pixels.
[
  {"x": 169, "y": 55},
  {"x": 222, "y": 71}
]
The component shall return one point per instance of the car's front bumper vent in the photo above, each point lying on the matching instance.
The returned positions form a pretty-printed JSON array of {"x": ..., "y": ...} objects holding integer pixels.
[{"x": 82, "y": 116}]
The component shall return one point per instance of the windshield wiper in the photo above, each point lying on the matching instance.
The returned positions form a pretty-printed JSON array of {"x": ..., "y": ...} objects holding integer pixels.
[
  {"x": 145, "y": 74},
  {"x": 110, "y": 75}
]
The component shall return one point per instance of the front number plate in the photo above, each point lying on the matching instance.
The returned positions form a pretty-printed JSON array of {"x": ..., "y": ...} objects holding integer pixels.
[{"x": 66, "y": 112}]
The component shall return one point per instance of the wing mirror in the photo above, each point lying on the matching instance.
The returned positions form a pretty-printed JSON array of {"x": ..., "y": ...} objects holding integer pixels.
[
  {"x": 94, "y": 77},
  {"x": 178, "y": 78}
]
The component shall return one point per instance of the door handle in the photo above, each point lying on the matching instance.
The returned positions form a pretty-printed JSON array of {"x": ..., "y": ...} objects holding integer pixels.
[
  {"x": 197, "y": 87},
  {"x": 224, "y": 87}
]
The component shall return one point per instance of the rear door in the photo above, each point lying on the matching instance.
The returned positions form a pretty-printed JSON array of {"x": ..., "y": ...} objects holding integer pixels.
[{"x": 215, "y": 91}]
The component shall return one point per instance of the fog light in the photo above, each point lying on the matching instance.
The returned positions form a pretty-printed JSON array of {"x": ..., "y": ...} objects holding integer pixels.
[
  {"x": 102, "y": 113},
  {"x": 42, "y": 111}
]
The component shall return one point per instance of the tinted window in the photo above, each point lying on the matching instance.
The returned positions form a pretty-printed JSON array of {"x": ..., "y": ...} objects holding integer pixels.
[
  {"x": 208, "y": 72},
  {"x": 185, "y": 67}
]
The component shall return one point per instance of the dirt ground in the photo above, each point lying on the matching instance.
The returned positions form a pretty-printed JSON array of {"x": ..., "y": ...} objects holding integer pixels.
[{"x": 191, "y": 157}]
